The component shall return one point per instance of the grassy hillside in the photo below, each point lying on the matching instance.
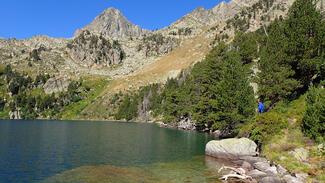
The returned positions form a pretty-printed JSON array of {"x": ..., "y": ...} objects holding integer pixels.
[{"x": 96, "y": 86}]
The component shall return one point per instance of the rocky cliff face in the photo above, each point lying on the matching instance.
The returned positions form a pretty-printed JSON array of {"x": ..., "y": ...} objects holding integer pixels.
[
  {"x": 157, "y": 44},
  {"x": 112, "y": 24},
  {"x": 89, "y": 50},
  {"x": 112, "y": 40},
  {"x": 56, "y": 85}
]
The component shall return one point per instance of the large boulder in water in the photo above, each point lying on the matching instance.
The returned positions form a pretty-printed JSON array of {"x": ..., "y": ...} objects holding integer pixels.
[{"x": 231, "y": 148}]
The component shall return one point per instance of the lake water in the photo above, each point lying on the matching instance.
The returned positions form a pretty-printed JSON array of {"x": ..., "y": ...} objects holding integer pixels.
[{"x": 63, "y": 151}]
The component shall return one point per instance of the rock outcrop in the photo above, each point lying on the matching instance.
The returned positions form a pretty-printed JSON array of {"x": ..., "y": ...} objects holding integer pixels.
[
  {"x": 113, "y": 24},
  {"x": 14, "y": 114},
  {"x": 242, "y": 153},
  {"x": 186, "y": 124},
  {"x": 89, "y": 49},
  {"x": 231, "y": 148},
  {"x": 157, "y": 44},
  {"x": 56, "y": 85}
]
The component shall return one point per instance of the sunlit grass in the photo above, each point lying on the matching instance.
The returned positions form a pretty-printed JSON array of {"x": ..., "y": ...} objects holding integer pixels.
[{"x": 96, "y": 85}]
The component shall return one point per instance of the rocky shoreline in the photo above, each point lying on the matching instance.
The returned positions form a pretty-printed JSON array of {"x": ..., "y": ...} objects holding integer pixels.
[
  {"x": 243, "y": 153},
  {"x": 249, "y": 167}
]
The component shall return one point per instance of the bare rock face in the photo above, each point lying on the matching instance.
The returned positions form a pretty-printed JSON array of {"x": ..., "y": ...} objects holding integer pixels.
[
  {"x": 45, "y": 41},
  {"x": 34, "y": 55},
  {"x": 14, "y": 114},
  {"x": 231, "y": 148},
  {"x": 56, "y": 85},
  {"x": 157, "y": 44},
  {"x": 89, "y": 49},
  {"x": 112, "y": 23}
]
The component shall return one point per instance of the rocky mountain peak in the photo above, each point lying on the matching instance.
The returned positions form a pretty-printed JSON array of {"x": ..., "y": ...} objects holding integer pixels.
[
  {"x": 113, "y": 24},
  {"x": 112, "y": 11}
]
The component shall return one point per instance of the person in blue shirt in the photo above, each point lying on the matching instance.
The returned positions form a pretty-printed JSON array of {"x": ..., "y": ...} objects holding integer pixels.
[{"x": 261, "y": 107}]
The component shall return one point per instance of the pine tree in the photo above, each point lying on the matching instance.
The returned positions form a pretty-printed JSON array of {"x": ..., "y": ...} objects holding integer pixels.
[
  {"x": 275, "y": 80},
  {"x": 313, "y": 122},
  {"x": 247, "y": 45},
  {"x": 304, "y": 29},
  {"x": 224, "y": 97},
  {"x": 234, "y": 98}
]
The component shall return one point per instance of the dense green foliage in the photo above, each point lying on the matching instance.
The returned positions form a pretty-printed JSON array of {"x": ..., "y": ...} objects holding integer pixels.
[
  {"x": 265, "y": 126},
  {"x": 291, "y": 60},
  {"x": 220, "y": 93},
  {"x": 216, "y": 94},
  {"x": 294, "y": 53},
  {"x": 20, "y": 92},
  {"x": 314, "y": 119},
  {"x": 133, "y": 106},
  {"x": 247, "y": 45},
  {"x": 275, "y": 80},
  {"x": 128, "y": 108}
]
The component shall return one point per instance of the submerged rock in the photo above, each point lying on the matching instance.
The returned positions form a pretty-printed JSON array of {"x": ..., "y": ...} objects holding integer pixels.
[{"x": 231, "y": 148}]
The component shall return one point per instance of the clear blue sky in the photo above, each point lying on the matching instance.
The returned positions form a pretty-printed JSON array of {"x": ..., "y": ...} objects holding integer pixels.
[{"x": 60, "y": 18}]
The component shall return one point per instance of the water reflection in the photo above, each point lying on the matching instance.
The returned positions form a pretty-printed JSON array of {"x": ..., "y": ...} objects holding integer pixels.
[{"x": 34, "y": 150}]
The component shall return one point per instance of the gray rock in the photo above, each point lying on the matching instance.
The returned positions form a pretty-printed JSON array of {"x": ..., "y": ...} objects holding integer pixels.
[
  {"x": 231, "y": 148},
  {"x": 257, "y": 174},
  {"x": 271, "y": 180},
  {"x": 302, "y": 176},
  {"x": 247, "y": 166},
  {"x": 266, "y": 167},
  {"x": 89, "y": 50},
  {"x": 113, "y": 24},
  {"x": 216, "y": 133},
  {"x": 162, "y": 124},
  {"x": 56, "y": 85},
  {"x": 253, "y": 160},
  {"x": 186, "y": 124},
  {"x": 292, "y": 179},
  {"x": 34, "y": 55},
  {"x": 14, "y": 114},
  {"x": 300, "y": 154},
  {"x": 282, "y": 171},
  {"x": 157, "y": 44}
]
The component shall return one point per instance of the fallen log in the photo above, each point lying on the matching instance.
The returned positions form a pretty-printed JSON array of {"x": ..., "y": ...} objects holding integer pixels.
[{"x": 238, "y": 173}]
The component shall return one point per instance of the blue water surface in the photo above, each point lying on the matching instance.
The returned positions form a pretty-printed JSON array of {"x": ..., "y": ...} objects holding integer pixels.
[{"x": 31, "y": 151}]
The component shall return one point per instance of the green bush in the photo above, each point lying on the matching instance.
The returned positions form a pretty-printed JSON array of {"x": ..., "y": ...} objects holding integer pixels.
[
  {"x": 264, "y": 126},
  {"x": 2, "y": 104},
  {"x": 128, "y": 108},
  {"x": 313, "y": 124}
]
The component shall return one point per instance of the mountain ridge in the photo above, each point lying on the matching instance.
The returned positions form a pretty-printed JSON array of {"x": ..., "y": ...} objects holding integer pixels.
[
  {"x": 130, "y": 62},
  {"x": 139, "y": 47},
  {"x": 112, "y": 23}
]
